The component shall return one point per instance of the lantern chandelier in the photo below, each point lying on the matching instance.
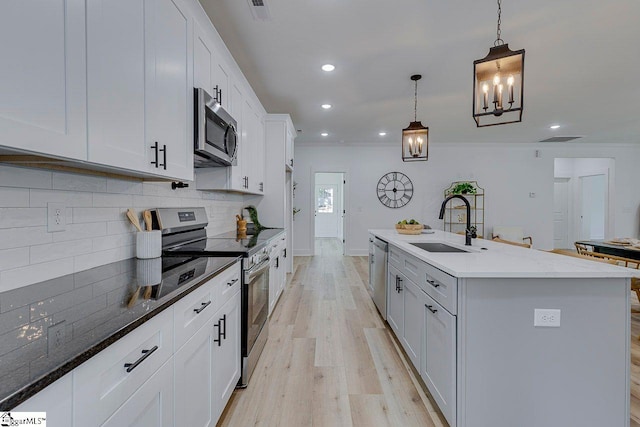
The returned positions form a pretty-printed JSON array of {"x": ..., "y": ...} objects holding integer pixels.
[
  {"x": 498, "y": 84},
  {"x": 415, "y": 138}
]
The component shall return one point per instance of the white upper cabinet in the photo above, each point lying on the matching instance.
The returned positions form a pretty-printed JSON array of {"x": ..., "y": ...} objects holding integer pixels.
[
  {"x": 116, "y": 83},
  {"x": 203, "y": 60},
  {"x": 138, "y": 86},
  {"x": 43, "y": 77},
  {"x": 169, "y": 86}
]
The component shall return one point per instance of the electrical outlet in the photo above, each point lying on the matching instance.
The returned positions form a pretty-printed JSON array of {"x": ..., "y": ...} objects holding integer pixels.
[
  {"x": 546, "y": 318},
  {"x": 56, "y": 217},
  {"x": 55, "y": 336}
]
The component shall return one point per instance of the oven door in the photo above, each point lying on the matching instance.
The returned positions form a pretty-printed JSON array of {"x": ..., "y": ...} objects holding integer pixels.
[{"x": 255, "y": 301}]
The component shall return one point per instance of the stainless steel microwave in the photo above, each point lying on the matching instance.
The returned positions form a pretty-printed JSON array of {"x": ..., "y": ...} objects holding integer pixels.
[{"x": 216, "y": 140}]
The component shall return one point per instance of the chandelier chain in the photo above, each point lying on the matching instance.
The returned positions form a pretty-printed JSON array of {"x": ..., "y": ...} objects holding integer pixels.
[
  {"x": 499, "y": 40},
  {"x": 415, "y": 103}
]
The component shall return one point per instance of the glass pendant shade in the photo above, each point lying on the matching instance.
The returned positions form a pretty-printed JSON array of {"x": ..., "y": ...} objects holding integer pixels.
[
  {"x": 498, "y": 87},
  {"x": 415, "y": 142}
]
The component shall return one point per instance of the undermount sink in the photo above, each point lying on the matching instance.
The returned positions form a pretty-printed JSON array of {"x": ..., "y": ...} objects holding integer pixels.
[{"x": 438, "y": 247}]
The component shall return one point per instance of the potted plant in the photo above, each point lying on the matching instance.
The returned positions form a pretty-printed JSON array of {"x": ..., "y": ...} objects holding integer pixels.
[{"x": 462, "y": 188}]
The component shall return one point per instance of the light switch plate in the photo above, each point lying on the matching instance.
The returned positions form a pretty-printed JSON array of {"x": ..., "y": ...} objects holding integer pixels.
[
  {"x": 56, "y": 217},
  {"x": 547, "y": 318}
]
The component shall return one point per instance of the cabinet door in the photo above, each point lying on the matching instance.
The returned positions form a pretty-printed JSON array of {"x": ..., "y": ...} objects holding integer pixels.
[
  {"x": 194, "y": 380},
  {"x": 226, "y": 353},
  {"x": 236, "y": 172},
  {"x": 151, "y": 405},
  {"x": 289, "y": 149},
  {"x": 258, "y": 156},
  {"x": 439, "y": 357},
  {"x": 273, "y": 284},
  {"x": 395, "y": 301},
  {"x": 55, "y": 400},
  {"x": 169, "y": 89},
  {"x": 43, "y": 77},
  {"x": 248, "y": 141},
  {"x": 116, "y": 83},
  {"x": 202, "y": 60},
  {"x": 413, "y": 315},
  {"x": 220, "y": 78}
]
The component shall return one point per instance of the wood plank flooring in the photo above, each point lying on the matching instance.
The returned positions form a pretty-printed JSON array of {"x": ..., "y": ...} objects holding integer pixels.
[{"x": 330, "y": 360}]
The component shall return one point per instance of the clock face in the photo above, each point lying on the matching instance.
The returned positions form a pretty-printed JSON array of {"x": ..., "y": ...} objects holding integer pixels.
[{"x": 395, "y": 190}]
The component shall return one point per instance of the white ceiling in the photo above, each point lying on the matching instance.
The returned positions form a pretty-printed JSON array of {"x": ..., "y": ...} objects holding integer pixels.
[{"x": 582, "y": 65}]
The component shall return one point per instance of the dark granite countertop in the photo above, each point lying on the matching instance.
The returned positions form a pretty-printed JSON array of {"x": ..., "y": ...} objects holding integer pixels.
[{"x": 49, "y": 328}]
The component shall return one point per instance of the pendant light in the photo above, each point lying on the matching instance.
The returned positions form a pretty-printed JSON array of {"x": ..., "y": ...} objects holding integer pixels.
[
  {"x": 415, "y": 138},
  {"x": 498, "y": 84}
]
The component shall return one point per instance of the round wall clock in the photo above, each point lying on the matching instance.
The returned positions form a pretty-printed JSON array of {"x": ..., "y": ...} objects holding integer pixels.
[{"x": 395, "y": 190}]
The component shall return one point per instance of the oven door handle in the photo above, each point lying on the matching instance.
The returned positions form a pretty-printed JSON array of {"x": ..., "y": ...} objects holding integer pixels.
[{"x": 256, "y": 271}]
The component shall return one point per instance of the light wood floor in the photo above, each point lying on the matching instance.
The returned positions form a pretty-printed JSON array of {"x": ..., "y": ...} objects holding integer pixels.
[{"x": 330, "y": 360}]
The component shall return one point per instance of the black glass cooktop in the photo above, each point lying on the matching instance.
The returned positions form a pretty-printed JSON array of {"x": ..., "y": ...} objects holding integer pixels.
[{"x": 226, "y": 244}]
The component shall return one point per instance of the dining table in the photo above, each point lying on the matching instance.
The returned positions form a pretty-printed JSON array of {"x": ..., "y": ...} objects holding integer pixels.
[{"x": 611, "y": 248}]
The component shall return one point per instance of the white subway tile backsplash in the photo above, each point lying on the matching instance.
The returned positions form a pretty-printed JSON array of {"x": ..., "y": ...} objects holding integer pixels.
[
  {"x": 11, "y": 176},
  {"x": 80, "y": 231},
  {"x": 22, "y": 217},
  {"x": 121, "y": 186},
  {"x": 14, "y": 258},
  {"x": 81, "y": 215},
  {"x": 33, "y": 273},
  {"x": 25, "y": 236},
  {"x": 40, "y": 198},
  {"x": 106, "y": 200},
  {"x": 53, "y": 251},
  {"x": 120, "y": 227},
  {"x": 113, "y": 241},
  {"x": 97, "y": 231},
  {"x": 95, "y": 259},
  {"x": 14, "y": 197},
  {"x": 77, "y": 182}
]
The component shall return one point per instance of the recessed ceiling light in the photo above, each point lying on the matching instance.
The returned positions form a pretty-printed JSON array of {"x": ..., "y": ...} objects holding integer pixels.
[
  {"x": 328, "y": 67},
  {"x": 554, "y": 126},
  {"x": 324, "y": 134},
  {"x": 326, "y": 106},
  {"x": 382, "y": 133}
]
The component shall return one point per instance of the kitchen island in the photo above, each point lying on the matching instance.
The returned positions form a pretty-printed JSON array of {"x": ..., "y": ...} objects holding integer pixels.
[{"x": 505, "y": 336}]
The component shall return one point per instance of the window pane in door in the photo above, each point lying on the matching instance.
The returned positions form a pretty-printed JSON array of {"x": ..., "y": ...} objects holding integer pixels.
[{"x": 325, "y": 199}]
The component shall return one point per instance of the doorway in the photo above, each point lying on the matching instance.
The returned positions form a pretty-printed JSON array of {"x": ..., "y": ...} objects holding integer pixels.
[
  {"x": 329, "y": 208},
  {"x": 583, "y": 200}
]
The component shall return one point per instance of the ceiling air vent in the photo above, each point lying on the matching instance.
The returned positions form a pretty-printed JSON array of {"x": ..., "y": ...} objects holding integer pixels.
[
  {"x": 561, "y": 138},
  {"x": 259, "y": 10}
]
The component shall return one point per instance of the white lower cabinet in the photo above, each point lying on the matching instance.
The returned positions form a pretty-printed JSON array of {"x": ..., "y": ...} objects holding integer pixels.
[
  {"x": 226, "y": 353},
  {"x": 55, "y": 400},
  {"x": 151, "y": 405},
  {"x": 395, "y": 301},
  {"x": 107, "y": 380},
  {"x": 194, "y": 381},
  {"x": 438, "y": 367},
  {"x": 426, "y": 330},
  {"x": 413, "y": 313}
]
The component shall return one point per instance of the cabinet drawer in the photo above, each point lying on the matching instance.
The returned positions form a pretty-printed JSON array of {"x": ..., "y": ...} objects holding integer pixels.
[
  {"x": 439, "y": 286},
  {"x": 395, "y": 257},
  {"x": 229, "y": 283},
  {"x": 102, "y": 384},
  {"x": 194, "y": 310}
]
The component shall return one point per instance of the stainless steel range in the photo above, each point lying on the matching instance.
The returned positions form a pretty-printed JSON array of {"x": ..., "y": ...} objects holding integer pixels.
[{"x": 184, "y": 235}]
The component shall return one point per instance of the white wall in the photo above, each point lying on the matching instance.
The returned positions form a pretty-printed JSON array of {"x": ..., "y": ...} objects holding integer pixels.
[
  {"x": 97, "y": 231},
  {"x": 507, "y": 172}
]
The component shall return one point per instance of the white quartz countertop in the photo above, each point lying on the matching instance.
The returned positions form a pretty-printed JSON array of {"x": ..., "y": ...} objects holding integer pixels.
[{"x": 499, "y": 259}]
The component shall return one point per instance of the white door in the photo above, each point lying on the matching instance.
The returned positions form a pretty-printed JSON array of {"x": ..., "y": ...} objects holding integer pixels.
[
  {"x": 43, "y": 77},
  {"x": 341, "y": 213},
  {"x": 561, "y": 213},
  {"x": 326, "y": 210},
  {"x": 593, "y": 195}
]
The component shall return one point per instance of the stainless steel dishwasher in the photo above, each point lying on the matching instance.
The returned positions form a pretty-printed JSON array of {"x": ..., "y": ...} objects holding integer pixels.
[{"x": 378, "y": 268}]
